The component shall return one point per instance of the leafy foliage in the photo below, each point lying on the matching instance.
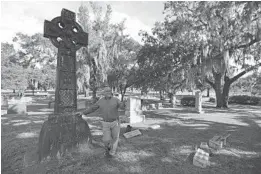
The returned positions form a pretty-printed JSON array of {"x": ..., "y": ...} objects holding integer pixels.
[
  {"x": 110, "y": 51},
  {"x": 95, "y": 63},
  {"x": 251, "y": 83},
  {"x": 18, "y": 72},
  {"x": 220, "y": 39},
  {"x": 13, "y": 76},
  {"x": 35, "y": 50}
]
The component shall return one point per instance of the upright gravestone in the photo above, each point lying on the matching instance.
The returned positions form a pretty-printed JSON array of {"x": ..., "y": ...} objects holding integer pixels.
[
  {"x": 63, "y": 129},
  {"x": 133, "y": 110},
  {"x": 199, "y": 102}
]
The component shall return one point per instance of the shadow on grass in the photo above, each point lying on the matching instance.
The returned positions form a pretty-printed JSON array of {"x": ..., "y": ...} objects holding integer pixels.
[
  {"x": 173, "y": 146},
  {"x": 166, "y": 150}
]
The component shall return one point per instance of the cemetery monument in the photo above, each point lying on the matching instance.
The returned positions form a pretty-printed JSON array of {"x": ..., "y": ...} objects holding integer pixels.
[{"x": 63, "y": 129}]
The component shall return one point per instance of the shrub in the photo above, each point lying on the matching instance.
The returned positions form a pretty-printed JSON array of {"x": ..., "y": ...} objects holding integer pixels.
[
  {"x": 188, "y": 101},
  {"x": 244, "y": 100}
]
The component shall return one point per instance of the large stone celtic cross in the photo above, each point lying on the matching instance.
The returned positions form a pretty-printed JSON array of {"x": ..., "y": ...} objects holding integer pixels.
[
  {"x": 68, "y": 36},
  {"x": 64, "y": 130}
]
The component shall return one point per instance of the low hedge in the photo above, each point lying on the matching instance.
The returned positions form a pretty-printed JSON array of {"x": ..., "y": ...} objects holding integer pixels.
[
  {"x": 188, "y": 101},
  {"x": 244, "y": 100}
]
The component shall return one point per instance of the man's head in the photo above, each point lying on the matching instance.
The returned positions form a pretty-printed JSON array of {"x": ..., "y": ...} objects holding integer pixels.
[{"x": 107, "y": 92}]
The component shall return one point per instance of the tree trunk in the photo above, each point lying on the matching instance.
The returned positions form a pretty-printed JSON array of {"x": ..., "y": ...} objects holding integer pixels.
[
  {"x": 123, "y": 93},
  {"x": 164, "y": 94},
  {"x": 171, "y": 97},
  {"x": 222, "y": 93},
  {"x": 225, "y": 95},
  {"x": 161, "y": 97},
  {"x": 94, "y": 81},
  {"x": 218, "y": 90},
  {"x": 94, "y": 94},
  {"x": 85, "y": 91},
  {"x": 208, "y": 89}
]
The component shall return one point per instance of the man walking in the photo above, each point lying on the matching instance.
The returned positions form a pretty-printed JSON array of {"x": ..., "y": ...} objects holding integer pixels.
[{"x": 108, "y": 106}]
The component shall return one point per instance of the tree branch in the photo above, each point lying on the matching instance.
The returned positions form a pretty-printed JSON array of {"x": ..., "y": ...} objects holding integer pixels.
[{"x": 244, "y": 72}]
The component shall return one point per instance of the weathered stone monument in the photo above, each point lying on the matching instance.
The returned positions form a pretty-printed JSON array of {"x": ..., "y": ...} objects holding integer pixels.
[
  {"x": 133, "y": 110},
  {"x": 198, "y": 102},
  {"x": 63, "y": 129}
]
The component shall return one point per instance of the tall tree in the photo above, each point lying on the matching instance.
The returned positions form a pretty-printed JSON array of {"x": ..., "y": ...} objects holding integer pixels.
[
  {"x": 35, "y": 50},
  {"x": 13, "y": 76},
  {"x": 36, "y": 56},
  {"x": 95, "y": 62},
  {"x": 160, "y": 63},
  {"x": 222, "y": 34}
]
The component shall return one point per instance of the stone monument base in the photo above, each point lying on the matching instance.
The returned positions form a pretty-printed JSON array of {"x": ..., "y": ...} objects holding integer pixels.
[{"x": 62, "y": 132}]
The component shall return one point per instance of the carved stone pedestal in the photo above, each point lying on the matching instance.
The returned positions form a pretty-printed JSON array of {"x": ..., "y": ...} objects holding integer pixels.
[{"x": 62, "y": 132}]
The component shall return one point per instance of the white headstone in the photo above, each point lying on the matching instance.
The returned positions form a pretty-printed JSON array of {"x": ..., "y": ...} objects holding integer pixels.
[
  {"x": 133, "y": 110},
  {"x": 199, "y": 102}
]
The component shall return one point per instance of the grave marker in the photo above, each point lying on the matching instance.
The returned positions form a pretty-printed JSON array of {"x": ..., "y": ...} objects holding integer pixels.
[
  {"x": 132, "y": 133},
  {"x": 201, "y": 158},
  {"x": 63, "y": 129},
  {"x": 133, "y": 110},
  {"x": 199, "y": 102}
]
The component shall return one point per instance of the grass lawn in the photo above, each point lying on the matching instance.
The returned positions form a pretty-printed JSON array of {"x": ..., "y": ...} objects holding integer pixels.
[{"x": 165, "y": 150}]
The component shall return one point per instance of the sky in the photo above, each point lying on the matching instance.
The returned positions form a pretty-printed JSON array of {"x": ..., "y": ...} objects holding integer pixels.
[{"x": 28, "y": 16}]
